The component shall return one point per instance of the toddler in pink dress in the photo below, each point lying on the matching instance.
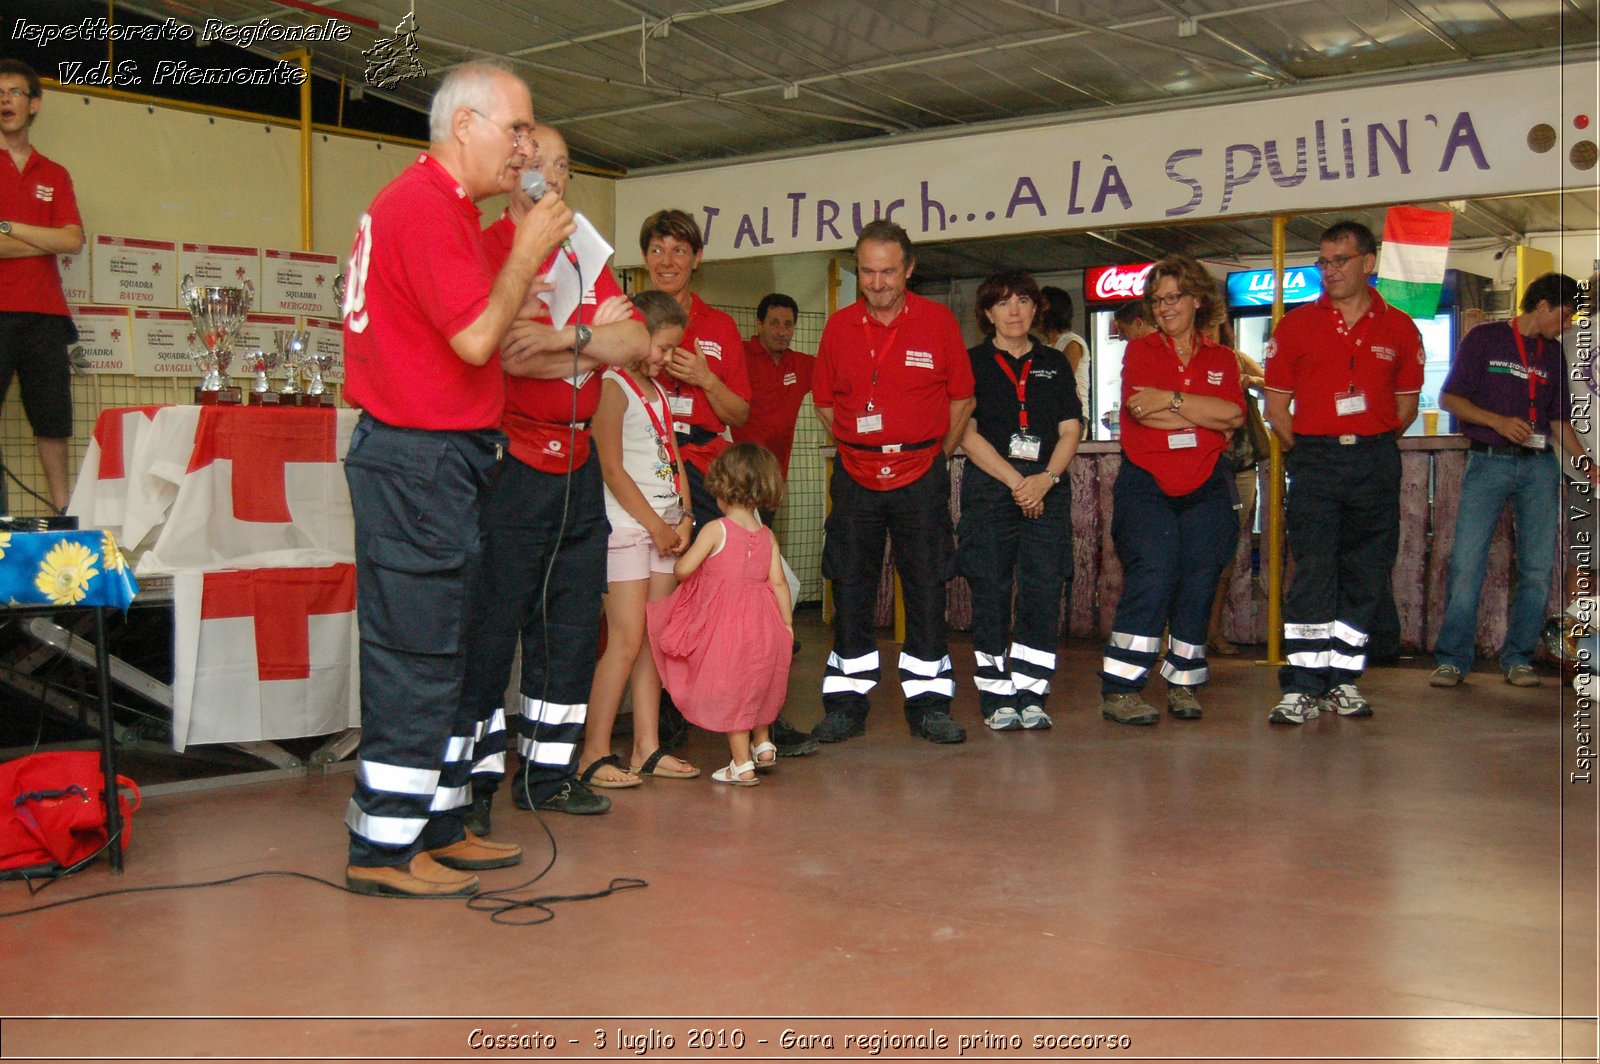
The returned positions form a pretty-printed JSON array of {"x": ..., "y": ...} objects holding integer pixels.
[{"x": 722, "y": 641}]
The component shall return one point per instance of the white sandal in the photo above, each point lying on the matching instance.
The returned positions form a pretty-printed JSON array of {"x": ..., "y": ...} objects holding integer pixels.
[
  {"x": 764, "y": 748},
  {"x": 732, "y": 773}
]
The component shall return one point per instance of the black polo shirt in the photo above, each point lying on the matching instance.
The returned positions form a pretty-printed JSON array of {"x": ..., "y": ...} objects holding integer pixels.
[{"x": 1052, "y": 396}]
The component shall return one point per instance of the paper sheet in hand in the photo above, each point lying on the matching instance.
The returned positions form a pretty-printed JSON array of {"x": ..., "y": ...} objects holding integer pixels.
[{"x": 593, "y": 252}]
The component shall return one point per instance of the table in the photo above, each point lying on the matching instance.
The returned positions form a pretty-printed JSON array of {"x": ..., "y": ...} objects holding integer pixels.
[
  {"x": 247, "y": 511},
  {"x": 69, "y": 571}
]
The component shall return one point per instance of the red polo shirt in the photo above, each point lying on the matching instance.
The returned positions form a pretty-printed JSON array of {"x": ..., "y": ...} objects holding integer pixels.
[
  {"x": 1152, "y": 362},
  {"x": 1317, "y": 358},
  {"x": 777, "y": 388},
  {"x": 419, "y": 275},
  {"x": 910, "y": 370},
  {"x": 539, "y": 413},
  {"x": 39, "y": 194},
  {"x": 715, "y": 335}
]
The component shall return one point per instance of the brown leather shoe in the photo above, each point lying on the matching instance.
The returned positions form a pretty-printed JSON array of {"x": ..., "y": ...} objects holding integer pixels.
[
  {"x": 423, "y": 878},
  {"x": 473, "y": 854}
]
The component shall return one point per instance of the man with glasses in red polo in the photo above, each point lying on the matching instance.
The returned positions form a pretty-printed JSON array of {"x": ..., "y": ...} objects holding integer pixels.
[{"x": 1352, "y": 367}]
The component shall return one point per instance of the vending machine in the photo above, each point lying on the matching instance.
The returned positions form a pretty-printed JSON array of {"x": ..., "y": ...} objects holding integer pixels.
[{"x": 1105, "y": 288}]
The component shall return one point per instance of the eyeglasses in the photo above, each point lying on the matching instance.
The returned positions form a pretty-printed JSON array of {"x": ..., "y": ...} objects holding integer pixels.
[
  {"x": 521, "y": 136},
  {"x": 1168, "y": 301},
  {"x": 1335, "y": 262},
  {"x": 16, "y": 94}
]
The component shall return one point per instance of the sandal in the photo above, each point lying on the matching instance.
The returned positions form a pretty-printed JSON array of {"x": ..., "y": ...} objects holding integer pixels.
[
  {"x": 652, "y": 767},
  {"x": 609, "y": 761},
  {"x": 734, "y": 771},
  {"x": 765, "y": 756}
]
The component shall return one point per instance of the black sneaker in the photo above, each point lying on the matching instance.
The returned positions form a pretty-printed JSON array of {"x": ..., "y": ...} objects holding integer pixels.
[
  {"x": 575, "y": 798},
  {"x": 477, "y": 818},
  {"x": 837, "y": 727},
  {"x": 937, "y": 727},
  {"x": 790, "y": 741}
]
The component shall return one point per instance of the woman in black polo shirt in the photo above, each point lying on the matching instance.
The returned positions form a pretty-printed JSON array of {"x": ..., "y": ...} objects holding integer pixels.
[{"x": 1016, "y": 506}]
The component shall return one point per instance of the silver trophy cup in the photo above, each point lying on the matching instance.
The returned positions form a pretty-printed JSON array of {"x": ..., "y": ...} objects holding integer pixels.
[
  {"x": 261, "y": 363},
  {"x": 292, "y": 345},
  {"x": 217, "y": 312},
  {"x": 316, "y": 362}
]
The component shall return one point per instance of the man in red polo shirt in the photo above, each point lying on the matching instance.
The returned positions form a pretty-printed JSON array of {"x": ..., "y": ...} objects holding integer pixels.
[
  {"x": 424, "y": 317},
  {"x": 38, "y": 221},
  {"x": 893, "y": 384},
  {"x": 545, "y": 561},
  {"x": 1352, "y": 366},
  {"x": 780, "y": 379}
]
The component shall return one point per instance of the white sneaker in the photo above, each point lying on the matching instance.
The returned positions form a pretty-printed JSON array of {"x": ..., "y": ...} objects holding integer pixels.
[
  {"x": 1347, "y": 701},
  {"x": 1445, "y": 676},
  {"x": 1004, "y": 719},
  {"x": 1034, "y": 718},
  {"x": 1295, "y": 709}
]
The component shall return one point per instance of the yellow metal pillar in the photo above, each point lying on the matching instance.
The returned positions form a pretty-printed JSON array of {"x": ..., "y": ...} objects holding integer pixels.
[
  {"x": 1275, "y": 475},
  {"x": 303, "y": 58}
]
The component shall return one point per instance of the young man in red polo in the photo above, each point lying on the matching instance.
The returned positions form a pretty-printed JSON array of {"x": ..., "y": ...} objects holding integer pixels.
[{"x": 38, "y": 221}]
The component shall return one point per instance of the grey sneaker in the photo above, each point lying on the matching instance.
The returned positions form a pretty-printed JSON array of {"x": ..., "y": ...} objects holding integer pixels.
[
  {"x": 1445, "y": 676},
  {"x": 1182, "y": 703},
  {"x": 1522, "y": 676},
  {"x": 1347, "y": 701},
  {"x": 1128, "y": 707},
  {"x": 1295, "y": 709},
  {"x": 1034, "y": 718},
  {"x": 1005, "y": 718}
]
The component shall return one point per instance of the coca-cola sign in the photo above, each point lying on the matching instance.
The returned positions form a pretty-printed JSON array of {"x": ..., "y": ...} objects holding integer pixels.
[{"x": 1115, "y": 284}]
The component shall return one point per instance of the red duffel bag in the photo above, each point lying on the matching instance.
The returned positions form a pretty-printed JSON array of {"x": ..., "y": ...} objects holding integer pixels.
[{"x": 53, "y": 811}]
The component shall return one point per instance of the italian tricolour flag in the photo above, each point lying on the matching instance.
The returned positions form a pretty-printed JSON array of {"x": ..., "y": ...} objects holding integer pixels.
[{"x": 1411, "y": 265}]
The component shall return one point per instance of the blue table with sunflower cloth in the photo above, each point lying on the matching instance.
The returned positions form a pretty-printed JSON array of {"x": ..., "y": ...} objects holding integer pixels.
[{"x": 55, "y": 571}]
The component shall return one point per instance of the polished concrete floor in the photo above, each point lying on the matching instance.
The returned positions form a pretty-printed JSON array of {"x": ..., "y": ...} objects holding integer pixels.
[{"x": 1419, "y": 885}]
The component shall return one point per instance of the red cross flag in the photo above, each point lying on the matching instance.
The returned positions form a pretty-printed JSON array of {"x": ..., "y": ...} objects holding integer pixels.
[{"x": 264, "y": 654}]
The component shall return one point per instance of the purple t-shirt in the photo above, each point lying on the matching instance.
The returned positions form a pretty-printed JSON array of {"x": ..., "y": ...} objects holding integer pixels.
[{"x": 1488, "y": 371}]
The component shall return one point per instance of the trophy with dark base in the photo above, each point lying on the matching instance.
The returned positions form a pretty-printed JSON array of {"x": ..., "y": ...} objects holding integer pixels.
[
  {"x": 291, "y": 344},
  {"x": 261, "y": 363},
  {"x": 217, "y": 312}
]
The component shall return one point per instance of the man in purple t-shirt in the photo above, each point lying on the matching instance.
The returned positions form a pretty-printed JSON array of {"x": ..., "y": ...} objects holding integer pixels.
[{"x": 1508, "y": 387}]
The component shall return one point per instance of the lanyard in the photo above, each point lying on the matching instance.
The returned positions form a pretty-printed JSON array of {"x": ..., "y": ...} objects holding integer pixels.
[
  {"x": 1533, "y": 386},
  {"x": 666, "y": 442},
  {"x": 1020, "y": 382},
  {"x": 888, "y": 345}
]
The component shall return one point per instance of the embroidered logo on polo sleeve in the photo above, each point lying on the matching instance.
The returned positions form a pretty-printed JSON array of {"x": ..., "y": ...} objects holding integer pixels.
[
  {"x": 1385, "y": 354},
  {"x": 44, "y": 193},
  {"x": 709, "y": 348},
  {"x": 920, "y": 359},
  {"x": 790, "y": 378},
  {"x": 1213, "y": 377}
]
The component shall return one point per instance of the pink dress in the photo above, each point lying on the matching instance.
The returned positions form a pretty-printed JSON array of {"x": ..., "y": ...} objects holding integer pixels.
[{"x": 719, "y": 643}]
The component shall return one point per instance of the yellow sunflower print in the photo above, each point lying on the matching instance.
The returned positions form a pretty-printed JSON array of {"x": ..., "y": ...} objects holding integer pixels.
[
  {"x": 111, "y": 555},
  {"x": 65, "y": 573}
]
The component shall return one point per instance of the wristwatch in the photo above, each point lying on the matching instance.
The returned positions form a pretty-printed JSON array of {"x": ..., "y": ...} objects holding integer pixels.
[
  {"x": 581, "y": 336},
  {"x": 5, "y": 228},
  {"x": 1177, "y": 400},
  {"x": 1054, "y": 478}
]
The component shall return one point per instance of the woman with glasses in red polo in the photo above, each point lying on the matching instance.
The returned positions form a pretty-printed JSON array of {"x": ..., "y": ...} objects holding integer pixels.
[{"x": 1173, "y": 502}]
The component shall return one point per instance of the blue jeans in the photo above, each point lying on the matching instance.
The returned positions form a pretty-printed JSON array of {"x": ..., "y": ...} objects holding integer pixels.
[{"x": 1532, "y": 484}]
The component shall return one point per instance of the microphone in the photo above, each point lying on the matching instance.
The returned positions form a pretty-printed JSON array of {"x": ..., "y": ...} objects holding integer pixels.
[{"x": 534, "y": 185}]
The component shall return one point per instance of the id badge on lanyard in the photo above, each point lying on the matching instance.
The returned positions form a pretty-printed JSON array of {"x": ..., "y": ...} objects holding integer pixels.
[
  {"x": 1351, "y": 402},
  {"x": 1025, "y": 447},
  {"x": 1538, "y": 441}
]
